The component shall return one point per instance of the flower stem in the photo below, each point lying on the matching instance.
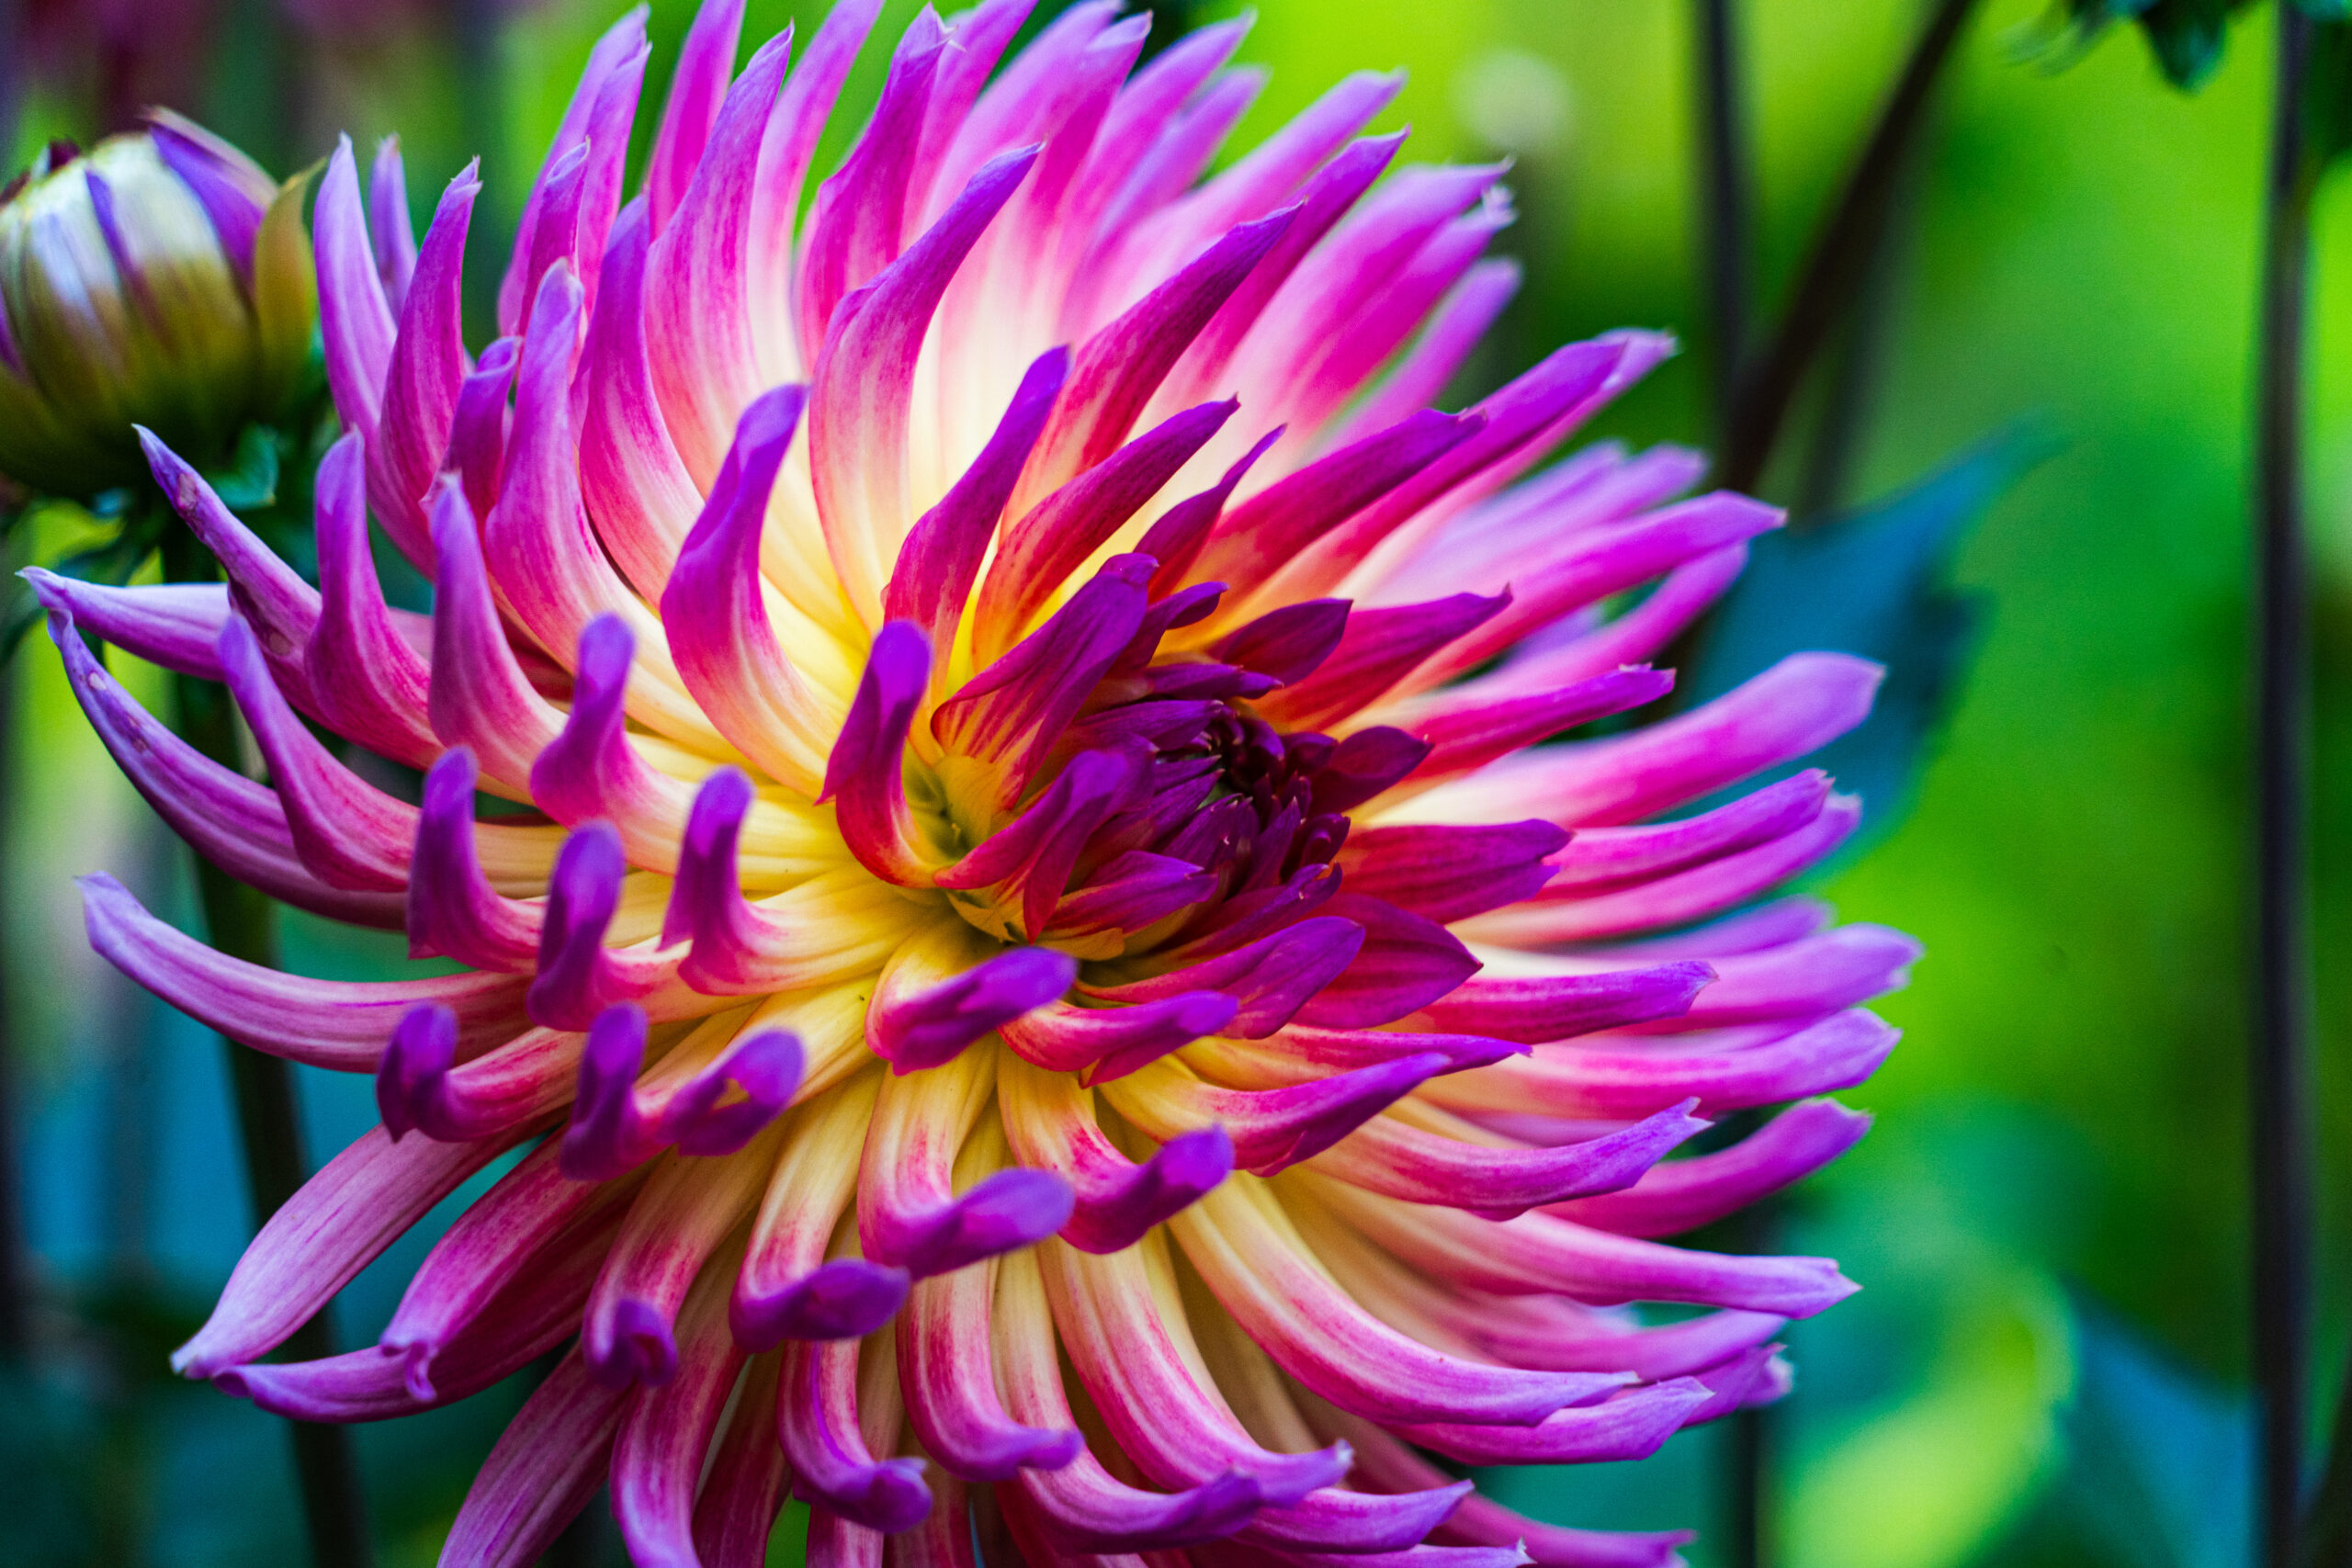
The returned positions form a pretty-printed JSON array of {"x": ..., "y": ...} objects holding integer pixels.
[
  {"x": 16, "y": 1275},
  {"x": 1725, "y": 204},
  {"x": 2278, "y": 1080},
  {"x": 240, "y": 922},
  {"x": 1840, "y": 257}
]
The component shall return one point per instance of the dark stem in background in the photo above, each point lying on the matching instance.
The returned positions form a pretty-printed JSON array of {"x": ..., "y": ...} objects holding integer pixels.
[
  {"x": 1842, "y": 250},
  {"x": 2279, "y": 1080},
  {"x": 16, "y": 1275},
  {"x": 241, "y": 923},
  {"x": 1724, "y": 201},
  {"x": 1723, "y": 191},
  {"x": 1834, "y": 443}
]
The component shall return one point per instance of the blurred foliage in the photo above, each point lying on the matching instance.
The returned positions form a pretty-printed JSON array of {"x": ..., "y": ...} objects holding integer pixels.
[
  {"x": 2041, "y": 1367},
  {"x": 1870, "y": 581}
]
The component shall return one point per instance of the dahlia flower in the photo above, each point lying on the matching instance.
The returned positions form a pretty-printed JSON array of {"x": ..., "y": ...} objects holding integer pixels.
[
  {"x": 1043, "y": 989},
  {"x": 159, "y": 279}
]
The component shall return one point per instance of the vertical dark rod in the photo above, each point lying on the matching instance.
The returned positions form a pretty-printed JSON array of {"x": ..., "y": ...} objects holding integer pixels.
[
  {"x": 239, "y": 920},
  {"x": 481, "y": 110},
  {"x": 2280, "y": 1078},
  {"x": 1723, "y": 191},
  {"x": 1842, "y": 246},
  {"x": 15, "y": 1272},
  {"x": 1724, "y": 196}
]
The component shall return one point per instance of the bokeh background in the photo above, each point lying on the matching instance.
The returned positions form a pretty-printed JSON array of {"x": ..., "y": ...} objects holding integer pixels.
[{"x": 2047, "y": 1363}]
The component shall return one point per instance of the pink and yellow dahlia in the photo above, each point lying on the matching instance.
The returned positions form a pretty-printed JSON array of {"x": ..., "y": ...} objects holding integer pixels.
[{"x": 1056, "y": 999}]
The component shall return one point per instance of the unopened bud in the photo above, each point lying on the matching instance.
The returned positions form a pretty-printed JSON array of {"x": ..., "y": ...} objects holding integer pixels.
[{"x": 162, "y": 279}]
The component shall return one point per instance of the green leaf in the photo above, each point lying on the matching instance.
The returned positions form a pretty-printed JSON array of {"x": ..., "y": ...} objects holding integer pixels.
[
  {"x": 251, "y": 482},
  {"x": 2186, "y": 36},
  {"x": 1869, "y": 582},
  {"x": 2327, "y": 94}
]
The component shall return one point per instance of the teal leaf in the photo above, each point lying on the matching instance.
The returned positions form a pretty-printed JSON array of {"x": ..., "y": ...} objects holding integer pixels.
[
  {"x": 1870, "y": 582},
  {"x": 2162, "y": 1473}
]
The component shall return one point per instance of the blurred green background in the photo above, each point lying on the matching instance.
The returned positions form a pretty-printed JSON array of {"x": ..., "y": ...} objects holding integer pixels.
[{"x": 2047, "y": 1363}]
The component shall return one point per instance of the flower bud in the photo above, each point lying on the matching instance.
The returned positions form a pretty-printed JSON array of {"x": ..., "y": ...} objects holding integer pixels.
[{"x": 162, "y": 279}]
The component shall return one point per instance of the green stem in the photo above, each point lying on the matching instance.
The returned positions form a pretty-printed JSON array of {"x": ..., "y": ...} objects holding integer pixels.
[
  {"x": 2281, "y": 1136},
  {"x": 1842, "y": 249},
  {"x": 1723, "y": 199},
  {"x": 242, "y": 924},
  {"x": 15, "y": 1277}
]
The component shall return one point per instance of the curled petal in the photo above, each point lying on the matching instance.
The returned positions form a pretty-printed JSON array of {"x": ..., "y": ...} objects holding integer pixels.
[
  {"x": 1271, "y": 1128},
  {"x": 865, "y": 775},
  {"x": 788, "y": 1287},
  {"x": 949, "y": 1385},
  {"x": 1051, "y": 1123},
  {"x": 908, "y": 1212},
  {"x": 616, "y": 1124},
  {"x": 919, "y": 1021},
  {"x": 715, "y": 611}
]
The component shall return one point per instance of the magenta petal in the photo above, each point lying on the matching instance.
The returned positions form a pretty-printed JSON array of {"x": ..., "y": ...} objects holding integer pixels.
[
  {"x": 1009, "y": 1209},
  {"x": 1109, "y": 1042},
  {"x": 696, "y": 88},
  {"x": 590, "y": 770},
  {"x": 715, "y": 612},
  {"x": 366, "y": 680},
  {"x": 845, "y": 1298},
  {"x": 452, "y": 909},
  {"x": 1534, "y": 1012},
  {"x": 480, "y": 696},
  {"x": 1685, "y": 1194},
  {"x": 855, "y": 225},
  {"x": 1115, "y": 1208},
  {"x": 347, "y": 831},
  {"x": 577, "y": 977},
  {"x": 1382, "y": 646},
  {"x": 330, "y": 1024},
  {"x": 1404, "y": 963},
  {"x": 271, "y": 594},
  {"x": 235, "y": 823},
  {"x": 1036, "y": 555},
  {"x": 1632, "y": 1426},
  {"x": 1119, "y": 367},
  {"x": 858, "y": 408},
  {"x": 1011, "y": 713},
  {"x": 1404, "y": 1162},
  {"x": 175, "y": 625},
  {"x": 865, "y": 774},
  {"x": 354, "y": 319},
  {"x": 941, "y": 558},
  {"x": 423, "y": 380},
  {"x": 1288, "y": 644},
  {"x": 1444, "y": 872},
  {"x": 1270, "y": 981},
  {"x": 928, "y": 1028},
  {"x": 359, "y": 1203}
]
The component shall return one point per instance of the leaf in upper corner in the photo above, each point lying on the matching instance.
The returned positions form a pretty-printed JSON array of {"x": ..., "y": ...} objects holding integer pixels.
[{"x": 1870, "y": 582}]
